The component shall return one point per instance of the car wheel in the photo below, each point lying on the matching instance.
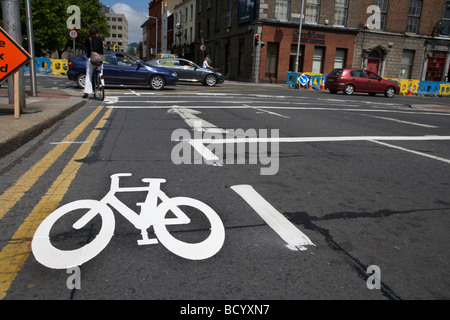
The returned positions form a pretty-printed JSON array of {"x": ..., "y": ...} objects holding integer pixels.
[
  {"x": 333, "y": 91},
  {"x": 390, "y": 92},
  {"x": 157, "y": 82},
  {"x": 210, "y": 80},
  {"x": 81, "y": 80},
  {"x": 349, "y": 89}
]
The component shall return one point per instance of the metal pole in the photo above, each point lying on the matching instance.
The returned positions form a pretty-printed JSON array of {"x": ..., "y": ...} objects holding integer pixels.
[
  {"x": 31, "y": 48},
  {"x": 156, "y": 35},
  {"x": 12, "y": 26},
  {"x": 299, "y": 37}
]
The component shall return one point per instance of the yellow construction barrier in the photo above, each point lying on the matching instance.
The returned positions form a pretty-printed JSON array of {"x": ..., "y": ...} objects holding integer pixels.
[
  {"x": 444, "y": 89},
  {"x": 59, "y": 66}
]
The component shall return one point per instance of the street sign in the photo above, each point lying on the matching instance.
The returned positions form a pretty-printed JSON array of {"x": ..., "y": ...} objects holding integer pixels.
[
  {"x": 202, "y": 47},
  {"x": 12, "y": 56},
  {"x": 303, "y": 79},
  {"x": 73, "y": 34}
]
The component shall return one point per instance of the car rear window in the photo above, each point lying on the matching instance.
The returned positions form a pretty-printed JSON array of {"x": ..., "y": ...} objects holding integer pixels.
[{"x": 336, "y": 72}]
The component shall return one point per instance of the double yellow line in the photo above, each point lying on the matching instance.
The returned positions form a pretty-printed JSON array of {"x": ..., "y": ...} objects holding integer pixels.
[{"x": 15, "y": 253}]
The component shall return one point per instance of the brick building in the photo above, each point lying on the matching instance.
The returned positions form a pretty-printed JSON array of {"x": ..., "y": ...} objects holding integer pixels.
[
  {"x": 412, "y": 41},
  {"x": 400, "y": 39}
]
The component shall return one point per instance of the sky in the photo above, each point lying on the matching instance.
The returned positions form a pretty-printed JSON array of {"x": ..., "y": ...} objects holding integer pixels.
[{"x": 135, "y": 11}]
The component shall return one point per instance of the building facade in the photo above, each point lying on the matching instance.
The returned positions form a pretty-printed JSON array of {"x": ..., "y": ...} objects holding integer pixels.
[
  {"x": 411, "y": 42},
  {"x": 406, "y": 39},
  {"x": 118, "y": 30},
  {"x": 185, "y": 22},
  {"x": 158, "y": 30}
]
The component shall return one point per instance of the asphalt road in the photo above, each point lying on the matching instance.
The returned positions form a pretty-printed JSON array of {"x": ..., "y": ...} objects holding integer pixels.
[{"x": 331, "y": 197}]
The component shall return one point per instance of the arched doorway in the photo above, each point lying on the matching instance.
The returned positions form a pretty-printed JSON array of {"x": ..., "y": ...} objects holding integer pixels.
[{"x": 373, "y": 59}]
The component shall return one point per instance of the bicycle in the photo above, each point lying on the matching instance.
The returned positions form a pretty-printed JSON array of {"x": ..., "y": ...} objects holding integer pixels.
[
  {"x": 151, "y": 214},
  {"x": 98, "y": 84}
]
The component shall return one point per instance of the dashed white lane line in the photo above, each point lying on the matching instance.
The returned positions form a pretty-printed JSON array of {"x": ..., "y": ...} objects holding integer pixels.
[{"x": 295, "y": 239}]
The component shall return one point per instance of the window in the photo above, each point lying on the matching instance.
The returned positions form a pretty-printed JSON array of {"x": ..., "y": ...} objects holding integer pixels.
[
  {"x": 272, "y": 60},
  {"x": 406, "y": 64},
  {"x": 230, "y": 8},
  {"x": 446, "y": 19},
  {"x": 108, "y": 58},
  {"x": 358, "y": 73},
  {"x": 125, "y": 60},
  {"x": 383, "y": 4},
  {"x": 340, "y": 12},
  {"x": 318, "y": 59},
  {"x": 436, "y": 66},
  {"x": 339, "y": 60},
  {"x": 312, "y": 10},
  {"x": 282, "y": 8},
  {"x": 415, "y": 9},
  {"x": 293, "y": 57}
]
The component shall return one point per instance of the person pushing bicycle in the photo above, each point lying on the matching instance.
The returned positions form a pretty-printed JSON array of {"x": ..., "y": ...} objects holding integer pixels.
[{"x": 93, "y": 43}]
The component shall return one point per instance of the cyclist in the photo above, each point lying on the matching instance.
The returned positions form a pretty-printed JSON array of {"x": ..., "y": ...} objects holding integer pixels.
[{"x": 97, "y": 46}]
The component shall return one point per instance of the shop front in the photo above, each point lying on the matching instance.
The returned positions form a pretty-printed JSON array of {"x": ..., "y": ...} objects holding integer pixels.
[{"x": 321, "y": 50}]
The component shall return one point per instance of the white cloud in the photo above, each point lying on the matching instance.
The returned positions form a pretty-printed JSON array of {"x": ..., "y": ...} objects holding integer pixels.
[{"x": 135, "y": 19}]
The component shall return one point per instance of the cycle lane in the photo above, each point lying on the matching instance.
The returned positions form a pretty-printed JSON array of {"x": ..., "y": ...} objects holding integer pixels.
[
  {"x": 15, "y": 253},
  {"x": 126, "y": 270}
]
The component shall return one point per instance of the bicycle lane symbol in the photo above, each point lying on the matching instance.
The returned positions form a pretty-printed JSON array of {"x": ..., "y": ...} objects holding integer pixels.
[{"x": 151, "y": 214}]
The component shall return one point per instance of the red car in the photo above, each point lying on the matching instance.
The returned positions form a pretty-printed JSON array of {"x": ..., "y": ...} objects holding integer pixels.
[{"x": 360, "y": 80}]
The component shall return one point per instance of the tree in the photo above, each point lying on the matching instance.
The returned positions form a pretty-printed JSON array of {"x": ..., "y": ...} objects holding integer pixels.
[{"x": 50, "y": 23}]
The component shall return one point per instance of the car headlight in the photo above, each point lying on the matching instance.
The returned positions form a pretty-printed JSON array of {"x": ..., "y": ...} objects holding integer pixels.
[{"x": 174, "y": 74}]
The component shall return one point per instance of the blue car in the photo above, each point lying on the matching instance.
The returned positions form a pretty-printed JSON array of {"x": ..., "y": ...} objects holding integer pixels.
[{"x": 123, "y": 68}]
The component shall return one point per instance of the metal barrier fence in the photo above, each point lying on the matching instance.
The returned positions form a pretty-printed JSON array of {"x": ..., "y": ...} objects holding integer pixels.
[{"x": 408, "y": 87}]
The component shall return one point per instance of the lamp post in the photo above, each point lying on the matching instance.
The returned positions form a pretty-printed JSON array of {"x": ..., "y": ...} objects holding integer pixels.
[
  {"x": 299, "y": 36},
  {"x": 156, "y": 32}
]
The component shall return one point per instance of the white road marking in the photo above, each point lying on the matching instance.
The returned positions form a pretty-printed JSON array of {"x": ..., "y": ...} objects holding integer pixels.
[
  {"x": 204, "y": 151},
  {"x": 323, "y": 139},
  {"x": 276, "y": 107},
  {"x": 189, "y": 116},
  {"x": 402, "y": 121},
  {"x": 282, "y": 226},
  {"x": 269, "y": 112},
  {"x": 412, "y": 151}
]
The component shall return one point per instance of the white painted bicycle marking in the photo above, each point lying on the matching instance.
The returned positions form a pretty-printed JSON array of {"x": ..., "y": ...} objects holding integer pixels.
[{"x": 152, "y": 214}]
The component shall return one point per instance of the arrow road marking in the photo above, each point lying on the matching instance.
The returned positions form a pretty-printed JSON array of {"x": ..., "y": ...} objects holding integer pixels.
[
  {"x": 294, "y": 238},
  {"x": 189, "y": 116}
]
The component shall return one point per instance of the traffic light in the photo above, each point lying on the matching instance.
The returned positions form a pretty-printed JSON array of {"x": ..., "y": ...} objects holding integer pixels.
[{"x": 256, "y": 40}]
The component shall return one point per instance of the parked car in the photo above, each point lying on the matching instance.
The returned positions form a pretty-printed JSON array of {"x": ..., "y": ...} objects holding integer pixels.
[
  {"x": 188, "y": 70},
  {"x": 123, "y": 68},
  {"x": 360, "y": 80}
]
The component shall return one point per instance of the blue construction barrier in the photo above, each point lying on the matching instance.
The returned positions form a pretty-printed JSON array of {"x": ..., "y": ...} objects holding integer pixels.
[
  {"x": 49, "y": 66},
  {"x": 407, "y": 86}
]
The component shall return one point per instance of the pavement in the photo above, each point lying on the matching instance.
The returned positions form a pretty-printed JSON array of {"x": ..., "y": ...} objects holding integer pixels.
[
  {"x": 39, "y": 114},
  {"x": 52, "y": 105}
]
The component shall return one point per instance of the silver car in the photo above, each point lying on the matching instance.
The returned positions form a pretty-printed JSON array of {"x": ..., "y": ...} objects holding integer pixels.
[{"x": 188, "y": 71}]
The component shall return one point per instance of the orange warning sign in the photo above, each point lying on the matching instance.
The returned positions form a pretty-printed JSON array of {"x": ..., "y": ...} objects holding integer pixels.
[{"x": 12, "y": 56}]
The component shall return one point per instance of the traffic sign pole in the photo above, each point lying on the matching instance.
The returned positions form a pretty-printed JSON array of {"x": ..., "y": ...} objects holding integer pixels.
[
  {"x": 12, "y": 58},
  {"x": 31, "y": 48}
]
